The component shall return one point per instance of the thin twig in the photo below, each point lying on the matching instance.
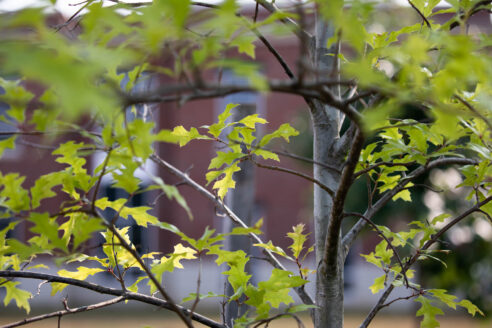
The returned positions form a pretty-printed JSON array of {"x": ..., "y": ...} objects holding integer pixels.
[
  {"x": 61, "y": 313},
  {"x": 285, "y": 154},
  {"x": 225, "y": 209},
  {"x": 305, "y": 159},
  {"x": 267, "y": 321},
  {"x": 255, "y": 17},
  {"x": 381, "y": 302},
  {"x": 372, "y": 167},
  {"x": 87, "y": 3},
  {"x": 403, "y": 272},
  {"x": 110, "y": 291},
  {"x": 149, "y": 273},
  {"x": 299, "y": 174},
  {"x": 198, "y": 283},
  {"x": 351, "y": 235},
  {"x": 420, "y": 14},
  {"x": 400, "y": 299},
  {"x": 98, "y": 184},
  {"x": 474, "y": 111},
  {"x": 260, "y": 36}
]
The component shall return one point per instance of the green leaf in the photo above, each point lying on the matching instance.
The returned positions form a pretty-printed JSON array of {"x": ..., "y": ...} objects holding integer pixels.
[
  {"x": 274, "y": 249},
  {"x": 192, "y": 296},
  {"x": 429, "y": 312},
  {"x": 378, "y": 284},
  {"x": 244, "y": 44},
  {"x": 12, "y": 195},
  {"x": 139, "y": 214},
  {"x": 278, "y": 285},
  {"x": 285, "y": 131},
  {"x": 266, "y": 154},
  {"x": 371, "y": 258},
  {"x": 404, "y": 195},
  {"x": 298, "y": 239},
  {"x": 8, "y": 143},
  {"x": 81, "y": 227},
  {"x": 384, "y": 252},
  {"x": 17, "y": 97},
  {"x": 444, "y": 297},
  {"x": 224, "y": 158},
  {"x": 184, "y": 136},
  {"x": 226, "y": 182},
  {"x": 134, "y": 286},
  {"x": 440, "y": 218},
  {"x": 20, "y": 296},
  {"x": 172, "y": 193},
  {"x": 42, "y": 188},
  {"x": 47, "y": 228},
  {"x": 216, "y": 129},
  {"x": 236, "y": 260},
  {"x": 69, "y": 154},
  {"x": 301, "y": 308},
  {"x": 470, "y": 307},
  {"x": 81, "y": 274},
  {"x": 251, "y": 120},
  {"x": 168, "y": 264}
]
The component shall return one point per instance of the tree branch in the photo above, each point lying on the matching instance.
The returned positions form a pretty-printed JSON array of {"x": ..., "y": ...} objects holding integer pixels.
[
  {"x": 221, "y": 206},
  {"x": 299, "y": 174},
  {"x": 351, "y": 235},
  {"x": 403, "y": 271},
  {"x": 65, "y": 312},
  {"x": 111, "y": 291},
  {"x": 420, "y": 14},
  {"x": 381, "y": 302},
  {"x": 309, "y": 89},
  {"x": 272, "y": 8},
  {"x": 474, "y": 111},
  {"x": 372, "y": 167},
  {"x": 173, "y": 306},
  {"x": 304, "y": 159},
  {"x": 336, "y": 216}
]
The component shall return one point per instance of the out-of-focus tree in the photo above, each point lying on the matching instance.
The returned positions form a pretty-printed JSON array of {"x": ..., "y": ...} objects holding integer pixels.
[{"x": 355, "y": 83}]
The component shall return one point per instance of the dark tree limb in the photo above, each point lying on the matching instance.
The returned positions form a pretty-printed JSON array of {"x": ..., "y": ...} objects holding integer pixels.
[
  {"x": 426, "y": 21},
  {"x": 333, "y": 233},
  {"x": 111, "y": 291},
  {"x": 61, "y": 313}
]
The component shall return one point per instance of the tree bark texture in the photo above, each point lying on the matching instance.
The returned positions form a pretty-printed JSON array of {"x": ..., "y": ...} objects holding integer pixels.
[{"x": 326, "y": 123}]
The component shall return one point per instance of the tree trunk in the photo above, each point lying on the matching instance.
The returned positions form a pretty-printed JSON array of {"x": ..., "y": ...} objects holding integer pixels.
[{"x": 326, "y": 123}]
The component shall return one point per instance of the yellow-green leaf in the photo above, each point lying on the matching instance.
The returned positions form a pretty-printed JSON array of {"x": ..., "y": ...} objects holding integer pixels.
[
  {"x": 81, "y": 274},
  {"x": 20, "y": 296},
  {"x": 378, "y": 284}
]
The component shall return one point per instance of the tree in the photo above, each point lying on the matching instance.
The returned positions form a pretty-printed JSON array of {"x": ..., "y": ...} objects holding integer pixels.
[{"x": 356, "y": 84}]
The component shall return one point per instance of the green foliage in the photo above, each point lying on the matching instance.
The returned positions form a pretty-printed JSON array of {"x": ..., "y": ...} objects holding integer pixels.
[
  {"x": 420, "y": 94},
  {"x": 21, "y": 297},
  {"x": 429, "y": 312}
]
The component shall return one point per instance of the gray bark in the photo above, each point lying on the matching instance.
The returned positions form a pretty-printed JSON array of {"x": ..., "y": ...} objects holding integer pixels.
[
  {"x": 326, "y": 127},
  {"x": 241, "y": 201}
]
